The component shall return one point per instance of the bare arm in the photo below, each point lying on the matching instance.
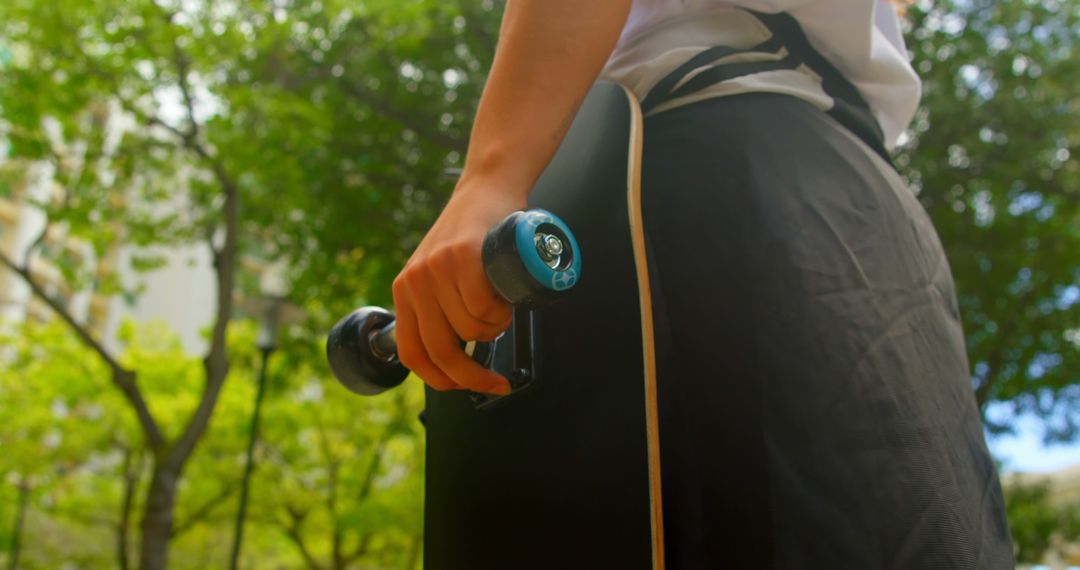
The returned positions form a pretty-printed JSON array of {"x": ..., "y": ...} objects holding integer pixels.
[{"x": 549, "y": 54}]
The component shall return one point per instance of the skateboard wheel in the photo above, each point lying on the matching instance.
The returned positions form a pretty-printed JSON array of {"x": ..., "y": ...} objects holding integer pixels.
[
  {"x": 358, "y": 365},
  {"x": 530, "y": 257}
]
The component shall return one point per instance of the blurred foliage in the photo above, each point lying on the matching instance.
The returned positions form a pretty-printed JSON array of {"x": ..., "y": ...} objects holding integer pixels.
[
  {"x": 992, "y": 157},
  {"x": 337, "y": 478},
  {"x": 62, "y": 441},
  {"x": 1036, "y": 522},
  {"x": 337, "y": 119}
]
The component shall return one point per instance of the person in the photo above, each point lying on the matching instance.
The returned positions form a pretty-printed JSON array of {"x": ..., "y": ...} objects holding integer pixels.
[{"x": 815, "y": 402}]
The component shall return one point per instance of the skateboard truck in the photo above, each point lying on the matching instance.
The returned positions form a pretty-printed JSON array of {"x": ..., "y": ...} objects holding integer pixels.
[
  {"x": 523, "y": 369},
  {"x": 530, "y": 258}
]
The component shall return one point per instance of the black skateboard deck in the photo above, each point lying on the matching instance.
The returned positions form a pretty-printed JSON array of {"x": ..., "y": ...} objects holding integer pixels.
[{"x": 564, "y": 473}]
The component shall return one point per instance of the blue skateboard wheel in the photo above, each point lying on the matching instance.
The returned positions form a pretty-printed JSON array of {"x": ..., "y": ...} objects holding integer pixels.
[{"x": 531, "y": 257}]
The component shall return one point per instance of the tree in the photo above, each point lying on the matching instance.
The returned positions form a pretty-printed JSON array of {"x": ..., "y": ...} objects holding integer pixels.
[
  {"x": 1034, "y": 521},
  {"x": 53, "y": 412},
  {"x": 145, "y": 113},
  {"x": 990, "y": 155},
  {"x": 89, "y": 66},
  {"x": 341, "y": 478},
  {"x": 318, "y": 134},
  {"x": 385, "y": 92}
]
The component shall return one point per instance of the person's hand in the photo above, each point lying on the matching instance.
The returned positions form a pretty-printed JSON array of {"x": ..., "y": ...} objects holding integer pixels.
[{"x": 443, "y": 295}]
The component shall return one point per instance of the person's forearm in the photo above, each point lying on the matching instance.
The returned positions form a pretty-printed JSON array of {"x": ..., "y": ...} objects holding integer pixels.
[{"x": 549, "y": 54}]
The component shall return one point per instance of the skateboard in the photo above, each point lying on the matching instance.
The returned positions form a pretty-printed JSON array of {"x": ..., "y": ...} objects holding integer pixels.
[{"x": 563, "y": 472}]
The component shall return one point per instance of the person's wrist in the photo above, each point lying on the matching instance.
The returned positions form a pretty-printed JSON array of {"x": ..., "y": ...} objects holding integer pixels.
[
  {"x": 500, "y": 185},
  {"x": 498, "y": 169}
]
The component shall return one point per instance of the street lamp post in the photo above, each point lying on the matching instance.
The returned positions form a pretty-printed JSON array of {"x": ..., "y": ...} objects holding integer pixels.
[{"x": 267, "y": 344}]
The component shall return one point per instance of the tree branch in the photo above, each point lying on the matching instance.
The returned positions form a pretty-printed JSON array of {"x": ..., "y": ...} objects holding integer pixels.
[
  {"x": 393, "y": 427},
  {"x": 123, "y": 378},
  {"x": 84, "y": 519},
  {"x": 414, "y": 552},
  {"x": 183, "y": 67},
  {"x": 384, "y": 108},
  {"x": 361, "y": 549},
  {"x": 183, "y": 64},
  {"x": 333, "y": 471},
  {"x": 204, "y": 510},
  {"x": 997, "y": 355},
  {"x": 373, "y": 466},
  {"x": 132, "y": 471},
  {"x": 990, "y": 379},
  {"x": 294, "y": 530},
  {"x": 40, "y": 239},
  {"x": 216, "y": 361}
]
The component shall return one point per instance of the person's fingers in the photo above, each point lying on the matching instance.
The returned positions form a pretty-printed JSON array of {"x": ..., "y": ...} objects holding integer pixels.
[
  {"x": 443, "y": 348},
  {"x": 491, "y": 331},
  {"x": 449, "y": 294},
  {"x": 479, "y": 297},
  {"x": 410, "y": 346},
  {"x": 465, "y": 326}
]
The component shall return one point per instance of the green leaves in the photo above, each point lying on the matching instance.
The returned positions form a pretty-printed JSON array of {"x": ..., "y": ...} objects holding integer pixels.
[
  {"x": 64, "y": 430},
  {"x": 1036, "y": 521},
  {"x": 336, "y": 121},
  {"x": 991, "y": 156}
]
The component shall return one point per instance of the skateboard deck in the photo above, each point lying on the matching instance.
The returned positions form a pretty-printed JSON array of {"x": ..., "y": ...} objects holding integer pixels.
[{"x": 563, "y": 473}]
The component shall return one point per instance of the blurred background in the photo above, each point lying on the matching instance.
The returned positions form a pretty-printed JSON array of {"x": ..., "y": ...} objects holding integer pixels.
[{"x": 192, "y": 191}]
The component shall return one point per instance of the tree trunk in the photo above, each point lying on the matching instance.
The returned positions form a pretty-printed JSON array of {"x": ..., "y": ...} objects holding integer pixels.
[
  {"x": 20, "y": 520},
  {"x": 157, "y": 519}
]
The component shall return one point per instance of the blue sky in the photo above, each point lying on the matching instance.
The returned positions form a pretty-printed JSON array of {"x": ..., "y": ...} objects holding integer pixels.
[{"x": 1025, "y": 451}]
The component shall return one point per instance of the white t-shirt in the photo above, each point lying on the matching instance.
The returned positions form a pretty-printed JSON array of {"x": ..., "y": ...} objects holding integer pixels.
[{"x": 861, "y": 38}]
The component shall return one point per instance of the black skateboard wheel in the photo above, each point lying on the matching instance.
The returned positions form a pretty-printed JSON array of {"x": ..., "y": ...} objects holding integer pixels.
[
  {"x": 362, "y": 352},
  {"x": 531, "y": 257},
  {"x": 353, "y": 351}
]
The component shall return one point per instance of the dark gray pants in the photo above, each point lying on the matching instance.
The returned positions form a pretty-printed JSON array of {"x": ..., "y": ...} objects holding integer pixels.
[{"x": 816, "y": 404}]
